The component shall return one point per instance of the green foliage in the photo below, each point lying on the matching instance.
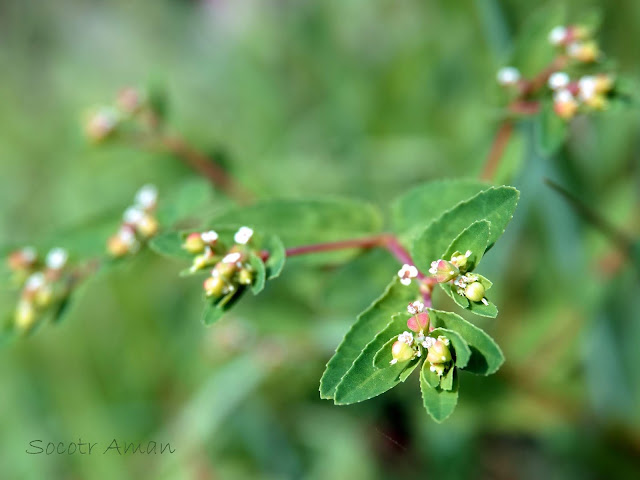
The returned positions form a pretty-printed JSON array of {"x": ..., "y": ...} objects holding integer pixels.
[
  {"x": 495, "y": 205},
  {"x": 474, "y": 239},
  {"x": 424, "y": 203},
  {"x": 440, "y": 402},
  {"x": 369, "y": 323},
  {"x": 551, "y": 130}
]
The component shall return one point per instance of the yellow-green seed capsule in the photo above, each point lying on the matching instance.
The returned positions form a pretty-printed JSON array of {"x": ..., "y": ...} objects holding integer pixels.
[
  {"x": 474, "y": 292},
  {"x": 44, "y": 296},
  {"x": 25, "y": 316},
  {"x": 439, "y": 352},
  {"x": 245, "y": 277},
  {"x": 147, "y": 226},
  {"x": 401, "y": 352},
  {"x": 437, "y": 368},
  {"x": 214, "y": 286},
  {"x": 193, "y": 243}
]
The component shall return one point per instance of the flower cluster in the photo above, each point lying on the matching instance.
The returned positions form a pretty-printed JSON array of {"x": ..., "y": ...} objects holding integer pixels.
[
  {"x": 588, "y": 93},
  {"x": 455, "y": 271},
  {"x": 43, "y": 284},
  {"x": 231, "y": 267},
  {"x": 104, "y": 122},
  {"x": 410, "y": 345},
  {"x": 138, "y": 224},
  {"x": 576, "y": 42}
]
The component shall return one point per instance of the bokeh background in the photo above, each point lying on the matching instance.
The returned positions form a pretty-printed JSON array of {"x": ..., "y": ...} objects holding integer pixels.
[{"x": 299, "y": 98}]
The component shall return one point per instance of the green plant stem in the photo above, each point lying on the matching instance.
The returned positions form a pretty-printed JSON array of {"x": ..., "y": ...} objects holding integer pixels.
[
  {"x": 520, "y": 106},
  {"x": 387, "y": 241}
]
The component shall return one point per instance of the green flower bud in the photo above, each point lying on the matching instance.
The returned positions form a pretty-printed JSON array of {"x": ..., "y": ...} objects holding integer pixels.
[
  {"x": 474, "y": 292},
  {"x": 401, "y": 352},
  {"x": 25, "y": 316}
]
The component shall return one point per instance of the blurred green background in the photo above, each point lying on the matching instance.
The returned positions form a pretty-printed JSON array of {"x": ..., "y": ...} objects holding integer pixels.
[{"x": 348, "y": 97}]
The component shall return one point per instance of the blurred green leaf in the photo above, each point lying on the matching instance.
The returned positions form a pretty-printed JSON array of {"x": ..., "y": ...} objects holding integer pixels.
[
  {"x": 259, "y": 273},
  {"x": 368, "y": 324},
  {"x": 551, "y": 130},
  {"x": 169, "y": 244}
]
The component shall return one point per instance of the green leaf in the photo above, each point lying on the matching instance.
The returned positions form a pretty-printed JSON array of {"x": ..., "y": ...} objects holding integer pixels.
[
  {"x": 259, "y": 273},
  {"x": 169, "y": 244},
  {"x": 495, "y": 205},
  {"x": 424, "y": 203},
  {"x": 473, "y": 238},
  {"x": 277, "y": 256},
  {"x": 213, "y": 310},
  {"x": 431, "y": 378},
  {"x": 446, "y": 382},
  {"x": 300, "y": 222},
  {"x": 363, "y": 381},
  {"x": 551, "y": 130},
  {"x": 478, "y": 308},
  {"x": 461, "y": 350},
  {"x": 383, "y": 356},
  {"x": 486, "y": 356},
  {"x": 438, "y": 402},
  {"x": 368, "y": 324}
]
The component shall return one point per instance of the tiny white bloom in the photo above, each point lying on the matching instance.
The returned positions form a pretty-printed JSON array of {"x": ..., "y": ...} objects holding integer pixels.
[
  {"x": 209, "y": 237},
  {"x": 444, "y": 340},
  {"x": 133, "y": 215},
  {"x": 243, "y": 235},
  {"x": 127, "y": 236},
  {"x": 147, "y": 197},
  {"x": 419, "y": 353},
  {"x": 587, "y": 87},
  {"x": 558, "y": 35},
  {"x": 558, "y": 80},
  {"x": 35, "y": 281},
  {"x": 415, "y": 307},
  {"x": 393, "y": 362},
  {"x": 57, "y": 258},
  {"x": 428, "y": 342},
  {"x": 574, "y": 49},
  {"x": 232, "y": 258},
  {"x": 484, "y": 300},
  {"x": 468, "y": 253},
  {"x": 508, "y": 76},
  {"x": 406, "y": 273},
  {"x": 406, "y": 337},
  {"x": 563, "y": 96},
  {"x": 29, "y": 254}
]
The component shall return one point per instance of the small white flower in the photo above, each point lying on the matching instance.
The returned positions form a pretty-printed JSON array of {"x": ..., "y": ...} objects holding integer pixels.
[
  {"x": 35, "y": 281},
  {"x": 558, "y": 35},
  {"x": 468, "y": 253},
  {"x": 127, "y": 236},
  {"x": 57, "y": 258},
  {"x": 428, "y": 342},
  {"x": 243, "y": 235},
  {"x": 415, "y": 307},
  {"x": 393, "y": 362},
  {"x": 147, "y": 197},
  {"x": 587, "y": 87},
  {"x": 29, "y": 254},
  {"x": 209, "y": 237},
  {"x": 406, "y": 273},
  {"x": 485, "y": 301},
  {"x": 406, "y": 337},
  {"x": 444, "y": 340},
  {"x": 508, "y": 76},
  {"x": 133, "y": 215},
  {"x": 563, "y": 96},
  {"x": 232, "y": 257},
  {"x": 558, "y": 80}
]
